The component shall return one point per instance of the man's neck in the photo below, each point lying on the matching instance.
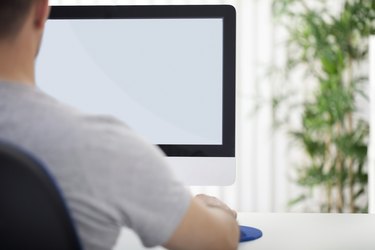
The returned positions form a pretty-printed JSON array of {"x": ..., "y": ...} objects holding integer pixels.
[{"x": 16, "y": 63}]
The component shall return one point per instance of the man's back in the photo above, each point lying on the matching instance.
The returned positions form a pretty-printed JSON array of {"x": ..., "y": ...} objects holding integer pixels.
[{"x": 109, "y": 176}]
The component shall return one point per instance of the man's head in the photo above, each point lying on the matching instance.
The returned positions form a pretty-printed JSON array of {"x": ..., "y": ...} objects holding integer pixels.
[
  {"x": 13, "y": 14},
  {"x": 21, "y": 29}
]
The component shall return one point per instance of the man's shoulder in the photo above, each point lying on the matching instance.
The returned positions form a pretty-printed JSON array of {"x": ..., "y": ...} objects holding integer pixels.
[{"x": 51, "y": 124}]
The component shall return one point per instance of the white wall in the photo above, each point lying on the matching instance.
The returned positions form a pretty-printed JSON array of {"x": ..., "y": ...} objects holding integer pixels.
[{"x": 371, "y": 170}]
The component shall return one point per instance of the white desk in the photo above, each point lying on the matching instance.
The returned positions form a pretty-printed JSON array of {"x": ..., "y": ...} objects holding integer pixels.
[{"x": 297, "y": 231}]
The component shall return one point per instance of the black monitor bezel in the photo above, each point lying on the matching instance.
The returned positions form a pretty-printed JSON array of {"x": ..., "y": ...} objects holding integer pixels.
[{"x": 226, "y": 12}]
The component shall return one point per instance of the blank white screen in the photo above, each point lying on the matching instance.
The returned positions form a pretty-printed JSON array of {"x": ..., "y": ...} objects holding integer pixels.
[{"x": 162, "y": 77}]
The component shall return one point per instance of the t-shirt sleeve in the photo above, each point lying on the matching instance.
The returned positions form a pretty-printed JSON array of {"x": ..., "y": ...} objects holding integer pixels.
[{"x": 147, "y": 196}]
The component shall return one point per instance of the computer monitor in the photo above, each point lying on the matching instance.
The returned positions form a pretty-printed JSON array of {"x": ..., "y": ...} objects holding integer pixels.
[{"x": 168, "y": 72}]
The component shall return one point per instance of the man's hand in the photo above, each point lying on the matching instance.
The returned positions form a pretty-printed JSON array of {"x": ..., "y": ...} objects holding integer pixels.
[
  {"x": 213, "y": 202},
  {"x": 208, "y": 224}
]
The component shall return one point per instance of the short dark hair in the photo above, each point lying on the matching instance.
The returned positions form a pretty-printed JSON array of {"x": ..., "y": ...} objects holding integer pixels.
[{"x": 12, "y": 15}]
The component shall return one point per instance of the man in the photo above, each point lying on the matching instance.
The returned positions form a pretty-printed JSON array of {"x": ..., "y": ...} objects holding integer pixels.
[{"x": 109, "y": 176}]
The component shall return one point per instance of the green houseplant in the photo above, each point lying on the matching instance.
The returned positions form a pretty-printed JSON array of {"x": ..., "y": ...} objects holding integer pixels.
[{"x": 329, "y": 46}]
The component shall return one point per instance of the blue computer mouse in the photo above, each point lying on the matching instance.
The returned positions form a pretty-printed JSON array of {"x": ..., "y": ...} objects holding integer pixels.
[{"x": 249, "y": 233}]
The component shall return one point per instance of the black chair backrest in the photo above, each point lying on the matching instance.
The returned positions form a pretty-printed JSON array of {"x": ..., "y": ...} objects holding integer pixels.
[{"x": 33, "y": 214}]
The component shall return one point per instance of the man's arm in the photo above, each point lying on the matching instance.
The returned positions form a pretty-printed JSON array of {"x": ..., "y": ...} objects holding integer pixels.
[{"x": 208, "y": 224}]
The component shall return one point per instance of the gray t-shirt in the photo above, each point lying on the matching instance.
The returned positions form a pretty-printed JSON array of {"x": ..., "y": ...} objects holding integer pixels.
[{"x": 109, "y": 176}]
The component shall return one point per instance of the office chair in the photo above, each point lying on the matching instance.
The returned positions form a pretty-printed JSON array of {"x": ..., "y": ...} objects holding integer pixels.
[{"x": 33, "y": 214}]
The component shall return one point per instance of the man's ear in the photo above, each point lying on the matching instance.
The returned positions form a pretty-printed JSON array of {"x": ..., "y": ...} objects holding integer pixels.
[{"x": 41, "y": 12}]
